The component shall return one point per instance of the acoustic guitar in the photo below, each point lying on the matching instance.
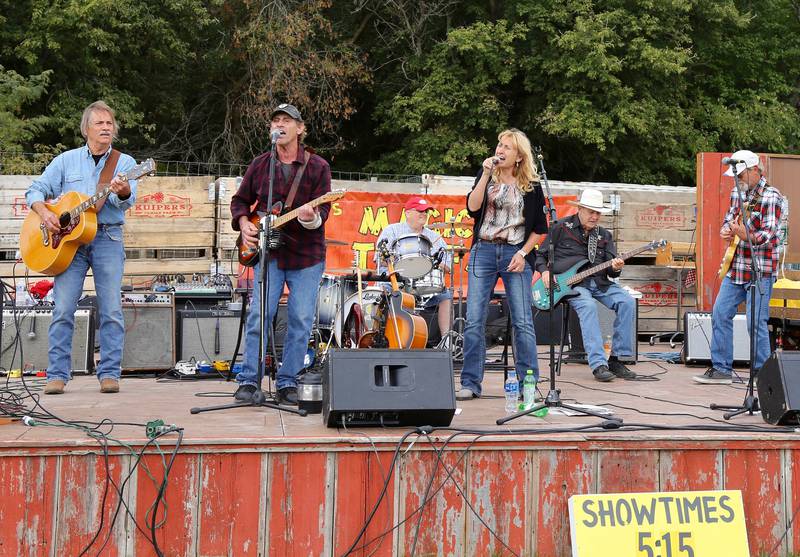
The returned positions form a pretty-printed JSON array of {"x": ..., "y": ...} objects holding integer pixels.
[
  {"x": 564, "y": 281},
  {"x": 248, "y": 255},
  {"x": 50, "y": 253}
]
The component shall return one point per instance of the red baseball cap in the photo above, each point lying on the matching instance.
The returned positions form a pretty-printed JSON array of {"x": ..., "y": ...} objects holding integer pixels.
[{"x": 418, "y": 204}]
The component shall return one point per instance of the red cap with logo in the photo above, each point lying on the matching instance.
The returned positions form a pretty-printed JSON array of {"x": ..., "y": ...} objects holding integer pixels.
[{"x": 418, "y": 204}]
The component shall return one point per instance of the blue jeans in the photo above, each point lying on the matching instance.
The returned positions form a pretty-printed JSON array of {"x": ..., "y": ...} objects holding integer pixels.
[
  {"x": 616, "y": 299},
  {"x": 725, "y": 306},
  {"x": 487, "y": 263},
  {"x": 106, "y": 256},
  {"x": 301, "y": 309}
]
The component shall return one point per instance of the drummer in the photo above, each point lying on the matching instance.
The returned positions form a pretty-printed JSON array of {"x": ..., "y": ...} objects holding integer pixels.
[{"x": 416, "y": 209}]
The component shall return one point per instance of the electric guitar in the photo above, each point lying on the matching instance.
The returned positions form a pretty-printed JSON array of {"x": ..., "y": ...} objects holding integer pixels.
[
  {"x": 563, "y": 281},
  {"x": 50, "y": 253},
  {"x": 248, "y": 255}
]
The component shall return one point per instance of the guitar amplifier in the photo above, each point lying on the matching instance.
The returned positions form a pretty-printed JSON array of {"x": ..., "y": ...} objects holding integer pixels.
[
  {"x": 697, "y": 335},
  {"x": 149, "y": 331},
  {"x": 208, "y": 334},
  {"x": 32, "y": 324}
]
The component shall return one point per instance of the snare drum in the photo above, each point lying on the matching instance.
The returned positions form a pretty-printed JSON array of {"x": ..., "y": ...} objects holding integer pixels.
[
  {"x": 330, "y": 297},
  {"x": 370, "y": 300},
  {"x": 411, "y": 255},
  {"x": 432, "y": 283}
]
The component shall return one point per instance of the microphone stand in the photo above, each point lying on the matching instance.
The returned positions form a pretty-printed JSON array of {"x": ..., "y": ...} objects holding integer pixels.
[
  {"x": 553, "y": 398},
  {"x": 259, "y": 398},
  {"x": 750, "y": 403}
]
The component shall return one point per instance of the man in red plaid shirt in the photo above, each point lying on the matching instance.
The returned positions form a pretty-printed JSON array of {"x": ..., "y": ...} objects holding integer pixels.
[
  {"x": 298, "y": 263},
  {"x": 762, "y": 219}
]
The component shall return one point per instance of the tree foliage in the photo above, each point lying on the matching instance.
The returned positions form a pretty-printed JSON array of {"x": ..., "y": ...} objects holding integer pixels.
[{"x": 612, "y": 89}]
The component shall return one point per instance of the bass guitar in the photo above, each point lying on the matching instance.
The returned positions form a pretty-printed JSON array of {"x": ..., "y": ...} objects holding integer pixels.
[
  {"x": 248, "y": 255},
  {"x": 564, "y": 281},
  {"x": 50, "y": 253}
]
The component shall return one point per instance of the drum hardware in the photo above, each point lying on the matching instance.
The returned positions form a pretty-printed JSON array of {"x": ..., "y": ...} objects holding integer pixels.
[{"x": 335, "y": 243}]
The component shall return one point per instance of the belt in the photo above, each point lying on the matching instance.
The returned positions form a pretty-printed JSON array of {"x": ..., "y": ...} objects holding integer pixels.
[{"x": 103, "y": 226}]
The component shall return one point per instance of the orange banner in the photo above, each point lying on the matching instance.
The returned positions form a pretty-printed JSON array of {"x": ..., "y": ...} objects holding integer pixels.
[{"x": 359, "y": 218}]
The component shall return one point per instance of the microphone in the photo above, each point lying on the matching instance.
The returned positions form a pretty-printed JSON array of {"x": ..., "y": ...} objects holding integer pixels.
[
  {"x": 275, "y": 135},
  {"x": 438, "y": 258},
  {"x": 216, "y": 337},
  {"x": 729, "y": 160},
  {"x": 32, "y": 330}
]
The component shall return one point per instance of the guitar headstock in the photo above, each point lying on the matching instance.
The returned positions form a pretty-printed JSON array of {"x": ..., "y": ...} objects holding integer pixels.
[
  {"x": 333, "y": 195},
  {"x": 146, "y": 168},
  {"x": 657, "y": 244}
]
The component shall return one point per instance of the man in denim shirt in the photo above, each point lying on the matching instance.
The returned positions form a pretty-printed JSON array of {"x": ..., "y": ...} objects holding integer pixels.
[{"x": 79, "y": 170}]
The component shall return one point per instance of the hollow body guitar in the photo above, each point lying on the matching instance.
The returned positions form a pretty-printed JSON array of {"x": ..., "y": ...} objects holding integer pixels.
[{"x": 51, "y": 253}]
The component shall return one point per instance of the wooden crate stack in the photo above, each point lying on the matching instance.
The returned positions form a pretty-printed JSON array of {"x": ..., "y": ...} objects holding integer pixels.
[{"x": 171, "y": 230}]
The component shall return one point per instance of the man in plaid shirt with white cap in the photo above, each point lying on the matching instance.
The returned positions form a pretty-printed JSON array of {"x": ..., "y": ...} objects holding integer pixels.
[{"x": 762, "y": 219}]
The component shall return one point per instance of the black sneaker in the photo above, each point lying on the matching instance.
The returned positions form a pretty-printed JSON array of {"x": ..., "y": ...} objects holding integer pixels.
[
  {"x": 713, "y": 376},
  {"x": 245, "y": 393},
  {"x": 619, "y": 369},
  {"x": 288, "y": 396},
  {"x": 602, "y": 373}
]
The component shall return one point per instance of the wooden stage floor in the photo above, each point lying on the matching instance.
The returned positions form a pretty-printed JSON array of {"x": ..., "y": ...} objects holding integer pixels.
[
  {"x": 297, "y": 487},
  {"x": 669, "y": 398}
]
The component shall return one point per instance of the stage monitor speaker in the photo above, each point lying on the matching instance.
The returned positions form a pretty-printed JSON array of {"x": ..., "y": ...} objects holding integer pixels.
[
  {"x": 779, "y": 388},
  {"x": 577, "y": 352},
  {"x": 33, "y": 324},
  {"x": 208, "y": 334},
  {"x": 149, "y": 332},
  {"x": 388, "y": 387},
  {"x": 541, "y": 325},
  {"x": 697, "y": 338}
]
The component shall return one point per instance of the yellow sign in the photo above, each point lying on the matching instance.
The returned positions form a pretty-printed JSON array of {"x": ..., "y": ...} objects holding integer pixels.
[{"x": 677, "y": 524}]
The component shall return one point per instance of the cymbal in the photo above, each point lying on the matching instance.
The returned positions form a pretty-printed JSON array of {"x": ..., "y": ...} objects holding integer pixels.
[
  {"x": 458, "y": 249},
  {"x": 335, "y": 243},
  {"x": 446, "y": 225}
]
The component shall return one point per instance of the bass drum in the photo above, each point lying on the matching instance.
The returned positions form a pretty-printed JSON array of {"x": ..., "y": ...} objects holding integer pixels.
[
  {"x": 371, "y": 298},
  {"x": 329, "y": 297}
]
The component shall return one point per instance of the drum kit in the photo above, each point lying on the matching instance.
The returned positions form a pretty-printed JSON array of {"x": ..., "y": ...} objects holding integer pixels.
[{"x": 416, "y": 268}]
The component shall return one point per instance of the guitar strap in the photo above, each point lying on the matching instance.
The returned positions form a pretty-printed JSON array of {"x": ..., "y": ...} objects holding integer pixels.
[
  {"x": 106, "y": 175},
  {"x": 296, "y": 182}
]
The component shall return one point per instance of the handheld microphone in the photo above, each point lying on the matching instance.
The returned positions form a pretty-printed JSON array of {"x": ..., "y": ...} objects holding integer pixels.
[
  {"x": 275, "y": 135},
  {"x": 32, "y": 330},
  {"x": 729, "y": 160}
]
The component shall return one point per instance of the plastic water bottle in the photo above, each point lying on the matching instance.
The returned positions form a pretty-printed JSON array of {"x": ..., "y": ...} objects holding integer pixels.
[
  {"x": 512, "y": 392},
  {"x": 529, "y": 390},
  {"x": 21, "y": 297}
]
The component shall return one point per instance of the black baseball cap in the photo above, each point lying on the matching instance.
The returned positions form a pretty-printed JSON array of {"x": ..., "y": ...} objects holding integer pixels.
[{"x": 289, "y": 109}]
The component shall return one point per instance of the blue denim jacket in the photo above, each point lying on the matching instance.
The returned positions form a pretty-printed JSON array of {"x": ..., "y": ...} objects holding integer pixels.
[{"x": 75, "y": 170}]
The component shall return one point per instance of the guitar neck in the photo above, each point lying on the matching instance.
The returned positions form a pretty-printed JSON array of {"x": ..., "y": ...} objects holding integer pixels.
[
  {"x": 89, "y": 203},
  {"x": 283, "y": 219},
  {"x": 589, "y": 272}
]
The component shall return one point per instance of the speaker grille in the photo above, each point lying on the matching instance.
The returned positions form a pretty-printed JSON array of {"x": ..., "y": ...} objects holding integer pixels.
[
  {"x": 33, "y": 326},
  {"x": 149, "y": 336}
]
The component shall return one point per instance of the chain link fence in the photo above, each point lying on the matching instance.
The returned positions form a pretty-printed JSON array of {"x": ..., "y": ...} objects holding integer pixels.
[{"x": 19, "y": 162}]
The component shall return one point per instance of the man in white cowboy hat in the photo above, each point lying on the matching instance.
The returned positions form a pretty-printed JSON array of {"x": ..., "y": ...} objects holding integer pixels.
[
  {"x": 763, "y": 209},
  {"x": 580, "y": 237}
]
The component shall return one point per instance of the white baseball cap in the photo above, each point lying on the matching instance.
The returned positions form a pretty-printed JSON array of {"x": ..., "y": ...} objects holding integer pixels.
[{"x": 748, "y": 159}]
